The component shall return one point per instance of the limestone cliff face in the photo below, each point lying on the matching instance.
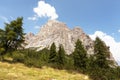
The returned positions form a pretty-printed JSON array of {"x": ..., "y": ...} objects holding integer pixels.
[{"x": 59, "y": 33}]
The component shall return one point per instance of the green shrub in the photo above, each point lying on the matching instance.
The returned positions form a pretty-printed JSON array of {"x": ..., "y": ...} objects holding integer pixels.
[
  {"x": 104, "y": 74},
  {"x": 30, "y": 62},
  {"x": 18, "y": 56},
  {"x": 69, "y": 62},
  {"x": 31, "y": 57}
]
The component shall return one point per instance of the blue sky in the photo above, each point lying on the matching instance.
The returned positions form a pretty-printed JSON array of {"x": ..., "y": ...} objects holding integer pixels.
[{"x": 90, "y": 15}]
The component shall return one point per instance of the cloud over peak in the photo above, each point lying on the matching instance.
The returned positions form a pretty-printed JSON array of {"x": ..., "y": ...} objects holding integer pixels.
[
  {"x": 110, "y": 41},
  {"x": 44, "y": 10}
]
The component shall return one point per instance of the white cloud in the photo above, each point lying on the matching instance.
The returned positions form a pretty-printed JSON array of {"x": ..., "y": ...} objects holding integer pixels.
[
  {"x": 33, "y": 18},
  {"x": 110, "y": 41},
  {"x": 37, "y": 27},
  {"x": 44, "y": 10},
  {"x": 119, "y": 30}
]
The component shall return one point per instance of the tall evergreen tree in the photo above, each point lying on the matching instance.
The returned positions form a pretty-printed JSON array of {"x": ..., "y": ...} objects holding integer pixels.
[
  {"x": 102, "y": 53},
  {"x": 53, "y": 53},
  {"x": 80, "y": 55},
  {"x": 61, "y": 56},
  {"x": 12, "y": 36},
  {"x": 14, "y": 33}
]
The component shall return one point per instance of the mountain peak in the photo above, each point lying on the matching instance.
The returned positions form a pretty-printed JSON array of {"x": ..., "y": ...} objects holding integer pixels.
[
  {"x": 53, "y": 21},
  {"x": 59, "y": 33}
]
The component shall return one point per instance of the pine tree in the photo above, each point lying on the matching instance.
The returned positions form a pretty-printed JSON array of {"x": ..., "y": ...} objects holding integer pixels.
[
  {"x": 61, "y": 56},
  {"x": 80, "y": 56},
  {"x": 53, "y": 53},
  {"x": 14, "y": 33},
  {"x": 102, "y": 53},
  {"x": 12, "y": 36}
]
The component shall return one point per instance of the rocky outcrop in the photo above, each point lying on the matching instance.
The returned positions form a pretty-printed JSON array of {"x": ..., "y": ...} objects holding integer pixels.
[
  {"x": 59, "y": 33},
  {"x": 29, "y": 37}
]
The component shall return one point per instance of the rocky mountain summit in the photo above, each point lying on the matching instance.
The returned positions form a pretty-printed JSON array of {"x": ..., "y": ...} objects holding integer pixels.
[{"x": 59, "y": 33}]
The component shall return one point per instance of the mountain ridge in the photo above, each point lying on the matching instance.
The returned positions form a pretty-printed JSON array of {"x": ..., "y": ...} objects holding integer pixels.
[{"x": 59, "y": 33}]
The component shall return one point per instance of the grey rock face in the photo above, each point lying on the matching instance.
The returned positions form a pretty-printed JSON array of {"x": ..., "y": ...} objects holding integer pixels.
[{"x": 59, "y": 33}]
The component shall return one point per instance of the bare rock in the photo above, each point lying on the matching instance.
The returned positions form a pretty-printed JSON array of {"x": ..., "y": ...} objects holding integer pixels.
[{"x": 59, "y": 33}]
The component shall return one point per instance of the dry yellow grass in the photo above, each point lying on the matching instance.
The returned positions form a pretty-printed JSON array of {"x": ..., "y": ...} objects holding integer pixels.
[{"x": 20, "y": 72}]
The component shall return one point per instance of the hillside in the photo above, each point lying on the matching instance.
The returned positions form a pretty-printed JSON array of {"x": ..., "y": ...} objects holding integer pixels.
[{"x": 20, "y": 72}]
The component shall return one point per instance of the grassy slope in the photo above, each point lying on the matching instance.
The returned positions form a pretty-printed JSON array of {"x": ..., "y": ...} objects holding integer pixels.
[{"x": 20, "y": 72}]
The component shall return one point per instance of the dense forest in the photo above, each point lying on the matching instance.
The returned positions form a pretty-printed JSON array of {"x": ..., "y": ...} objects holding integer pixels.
[{"x": 98, "y": 66}]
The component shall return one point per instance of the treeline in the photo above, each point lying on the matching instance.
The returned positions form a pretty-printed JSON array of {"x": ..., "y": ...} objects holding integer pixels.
[{"x": 98, "y": 66}]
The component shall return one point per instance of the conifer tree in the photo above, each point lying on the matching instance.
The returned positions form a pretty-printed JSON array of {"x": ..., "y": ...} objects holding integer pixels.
[
  {"x": 14, "y": 33},
  {"x": 12, "y": 36},
  {"x": 102, "y": 53},
  {"x": 61, "y": 56},
  {"x": 80, "y": 55},
  {"x": 53, "y": 53}
]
